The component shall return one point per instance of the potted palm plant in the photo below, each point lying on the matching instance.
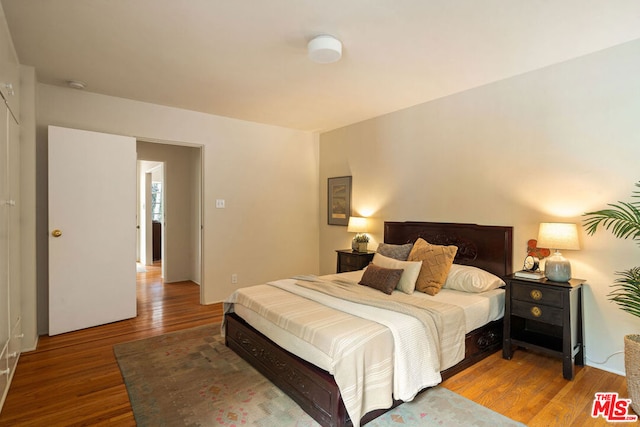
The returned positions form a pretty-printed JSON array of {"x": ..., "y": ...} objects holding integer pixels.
[{"x": 623, "y": 220}]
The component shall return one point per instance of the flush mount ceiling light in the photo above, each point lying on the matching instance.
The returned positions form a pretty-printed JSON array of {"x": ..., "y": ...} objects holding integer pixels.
[
  {"x": 324, "y": 49},
  {"x": 76, "y": 84}
]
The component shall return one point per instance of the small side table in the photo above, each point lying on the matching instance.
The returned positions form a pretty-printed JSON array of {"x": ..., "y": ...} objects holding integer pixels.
[
  {"x": 545, "y": 316},
  {"x": 350, "y": 260}
]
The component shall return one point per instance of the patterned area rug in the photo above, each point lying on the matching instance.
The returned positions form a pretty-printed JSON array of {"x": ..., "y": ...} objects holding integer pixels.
[{"x": 190, "y": 378}]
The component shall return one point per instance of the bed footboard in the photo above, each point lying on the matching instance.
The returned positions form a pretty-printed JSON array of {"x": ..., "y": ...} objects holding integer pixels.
[
  {"x": 310, "y": 387},
  {"x": 314, "y": 389}
]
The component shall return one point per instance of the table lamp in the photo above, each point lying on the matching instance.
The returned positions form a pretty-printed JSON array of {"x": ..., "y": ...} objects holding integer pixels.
[
  {"x": 556, "y": 236},
  {"x": 358, "y": 225}
]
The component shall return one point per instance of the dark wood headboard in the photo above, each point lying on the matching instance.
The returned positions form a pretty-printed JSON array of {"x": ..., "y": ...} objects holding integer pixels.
[{"x": 487, "y": 247}]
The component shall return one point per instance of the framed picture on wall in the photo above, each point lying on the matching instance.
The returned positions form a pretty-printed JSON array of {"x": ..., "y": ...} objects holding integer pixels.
[{"x": 339, "y": 200}]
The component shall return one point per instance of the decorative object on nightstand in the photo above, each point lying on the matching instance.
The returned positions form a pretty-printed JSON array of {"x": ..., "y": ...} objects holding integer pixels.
[
  {"x": 530, "y": 268},
  {"x": 349, "y": 260},
  {"x": 534, "y": 250},
  {"x": 558, "y": 235},
  {"x": 545, "y": 316},
  {"x": 358, "y": 225}
]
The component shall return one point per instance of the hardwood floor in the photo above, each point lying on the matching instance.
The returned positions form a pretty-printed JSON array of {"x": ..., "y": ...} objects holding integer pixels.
[
  {"x": 530, "y": 388},
  {"x": 74, "y": 379}
]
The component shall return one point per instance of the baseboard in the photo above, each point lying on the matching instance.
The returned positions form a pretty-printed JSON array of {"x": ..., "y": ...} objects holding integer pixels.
[
  {"x": 28, "y": 349},
  {"x": 604, "y": 368}
]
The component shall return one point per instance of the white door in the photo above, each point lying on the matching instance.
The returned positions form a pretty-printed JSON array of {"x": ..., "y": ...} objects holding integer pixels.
[{"x": 92, "y": 229}]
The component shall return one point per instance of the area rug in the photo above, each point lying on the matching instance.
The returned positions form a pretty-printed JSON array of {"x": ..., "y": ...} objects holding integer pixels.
[{"x": 190, "y": 378}]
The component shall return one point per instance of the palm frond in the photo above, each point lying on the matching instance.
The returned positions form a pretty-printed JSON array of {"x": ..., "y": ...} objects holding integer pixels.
[
  {"x": 622, "y": 219},
  {"x": 626, "y": 291}
]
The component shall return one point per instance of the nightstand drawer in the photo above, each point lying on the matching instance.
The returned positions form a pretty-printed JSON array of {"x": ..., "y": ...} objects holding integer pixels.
[
  {"x": 350, "y": 261},
  {"x": 543, "y": 313},
  {"x": 536, "y": 294}
]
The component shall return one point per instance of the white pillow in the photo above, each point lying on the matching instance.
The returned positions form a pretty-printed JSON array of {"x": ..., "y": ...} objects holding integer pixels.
[
  {"x": 411, "y": 269},
  {"x": 471, "y": 279}
]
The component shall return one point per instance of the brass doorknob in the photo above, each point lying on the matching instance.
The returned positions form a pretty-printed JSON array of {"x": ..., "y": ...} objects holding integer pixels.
[{"x": 56, "y": 233}]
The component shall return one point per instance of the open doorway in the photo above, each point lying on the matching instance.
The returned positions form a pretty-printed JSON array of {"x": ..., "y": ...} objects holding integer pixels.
[
  {"x": 157, "y": 213},
  {"x": 150, "y": 214},
  {"x": 170, "y": 183}
]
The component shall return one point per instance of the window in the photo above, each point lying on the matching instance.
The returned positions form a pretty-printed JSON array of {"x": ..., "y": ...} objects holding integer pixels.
[{"x": 156, "y": 201}]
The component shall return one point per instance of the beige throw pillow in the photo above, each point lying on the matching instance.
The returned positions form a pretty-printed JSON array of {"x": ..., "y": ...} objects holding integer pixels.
[
  {"x": 436, "y": 262},
  {"x": 407, "y": 283}
]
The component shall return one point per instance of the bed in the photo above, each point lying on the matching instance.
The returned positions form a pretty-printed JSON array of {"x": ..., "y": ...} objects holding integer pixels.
[{"x": 312, "y": 386}]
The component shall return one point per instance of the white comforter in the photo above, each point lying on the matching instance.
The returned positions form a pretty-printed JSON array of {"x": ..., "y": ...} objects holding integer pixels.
[{"x": 369, "y": 369}]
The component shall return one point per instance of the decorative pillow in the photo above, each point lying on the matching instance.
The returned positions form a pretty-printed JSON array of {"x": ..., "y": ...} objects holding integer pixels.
[
  {"x": 399, "y": 252},
  {"x": 471, "y": 279},
  {"x": 407, "y": 282},
  {"x": 382, "y": 279},
  {"x": 436, "y": 262}
]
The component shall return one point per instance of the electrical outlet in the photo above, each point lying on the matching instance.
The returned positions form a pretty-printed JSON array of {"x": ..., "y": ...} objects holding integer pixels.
[
  {"x": 220, "y": 203},
  {"x": 234, "y": 278}
]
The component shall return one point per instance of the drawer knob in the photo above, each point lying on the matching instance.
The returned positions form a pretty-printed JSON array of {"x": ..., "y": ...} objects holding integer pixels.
[
  {"x": 536, "y": 294},
  {"x": 536, "y": 311}
]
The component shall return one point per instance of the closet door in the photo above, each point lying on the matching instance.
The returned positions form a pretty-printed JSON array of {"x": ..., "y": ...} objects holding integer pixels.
[
  {"x": 15, "y": 281},
  {"x": 4, "y": 252},
  {"x": 10, "y": 298},
  {"x": 92, "y": 229}
]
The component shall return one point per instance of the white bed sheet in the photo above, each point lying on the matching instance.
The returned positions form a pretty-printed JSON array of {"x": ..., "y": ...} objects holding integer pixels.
[{"x": 479, "y": 309}]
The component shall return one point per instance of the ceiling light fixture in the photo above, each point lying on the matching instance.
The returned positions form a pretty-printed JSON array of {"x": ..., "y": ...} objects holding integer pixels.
[
  {"x": 325, "y": 49},
  {"x": 76, "y": 84}
]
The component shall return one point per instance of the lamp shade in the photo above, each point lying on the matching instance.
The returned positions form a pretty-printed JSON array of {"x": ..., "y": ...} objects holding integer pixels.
[
  {"x": 558, "y": 235},
  {"x": 357, "y": 224}
]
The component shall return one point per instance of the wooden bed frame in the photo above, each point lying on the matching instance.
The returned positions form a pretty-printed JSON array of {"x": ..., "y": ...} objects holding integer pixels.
[{"x": 315, "y": 390}]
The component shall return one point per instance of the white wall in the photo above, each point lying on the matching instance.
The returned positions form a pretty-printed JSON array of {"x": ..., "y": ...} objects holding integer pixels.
[
  {"x": 268, "y": 176},
  {"x": 544, "y": 146}
]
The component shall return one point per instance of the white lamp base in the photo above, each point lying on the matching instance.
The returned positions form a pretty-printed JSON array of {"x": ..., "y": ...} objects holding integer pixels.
[{"x": 557, "y": 268}]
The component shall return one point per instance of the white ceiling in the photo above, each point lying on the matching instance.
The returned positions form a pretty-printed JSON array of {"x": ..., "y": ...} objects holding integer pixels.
[{"x": 247, "y": 58}]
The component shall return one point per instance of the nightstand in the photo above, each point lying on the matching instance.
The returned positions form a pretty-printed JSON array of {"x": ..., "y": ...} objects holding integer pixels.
[
  {"x": 545, "y": 316},
  {"x": 349, "y": 260}
]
